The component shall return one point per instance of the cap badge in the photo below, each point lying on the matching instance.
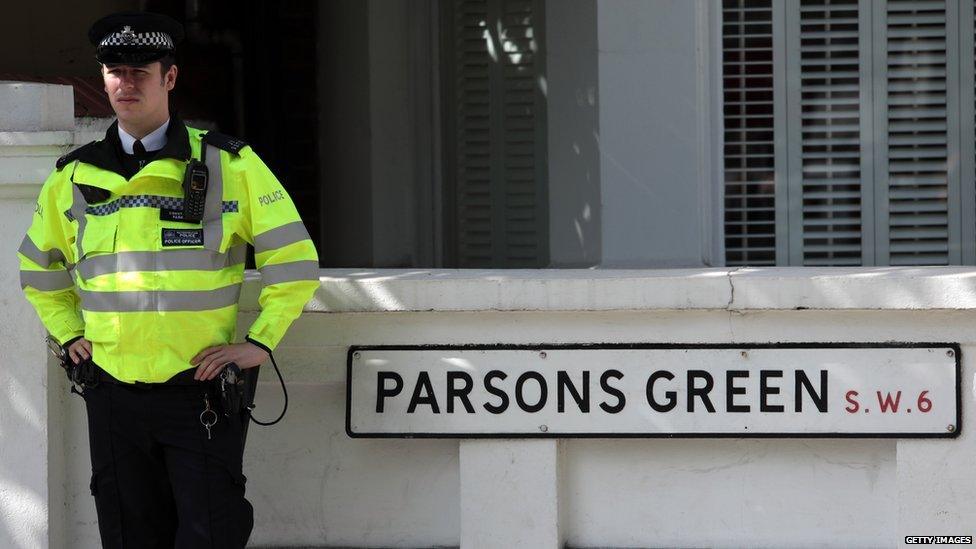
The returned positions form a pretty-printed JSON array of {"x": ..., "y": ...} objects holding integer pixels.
[{"x": 127, "y": 36}]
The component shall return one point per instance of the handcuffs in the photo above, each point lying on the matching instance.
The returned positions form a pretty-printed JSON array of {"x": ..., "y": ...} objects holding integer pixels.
[
  {"x": 81, "y": 375},
  {"x": 230, "y": 386}
]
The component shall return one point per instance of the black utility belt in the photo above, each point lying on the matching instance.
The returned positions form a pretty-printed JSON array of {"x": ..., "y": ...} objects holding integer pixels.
[
  {"x": 228, "y": 388},
  {"x": 182, "y": 379},
  {"x": 88, "y": 374},
  {"x": 233, "y": 389}
]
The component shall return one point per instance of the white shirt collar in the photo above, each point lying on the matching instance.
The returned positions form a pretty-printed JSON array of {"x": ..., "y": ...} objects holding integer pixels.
[{"x": 153, "y": 142}]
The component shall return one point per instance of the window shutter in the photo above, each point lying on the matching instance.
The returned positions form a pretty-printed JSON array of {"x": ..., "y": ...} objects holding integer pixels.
[
  {"x": 495, "y": 113},
  {"x": 915, "y": 93},
  {"x": 880, "y": 157},
  {"x": 750, "y": 149},
  {"x": 829, "y": 125}
]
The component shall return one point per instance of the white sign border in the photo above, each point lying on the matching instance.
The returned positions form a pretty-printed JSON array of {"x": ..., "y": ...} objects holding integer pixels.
[{"x": 955, "y": 347}]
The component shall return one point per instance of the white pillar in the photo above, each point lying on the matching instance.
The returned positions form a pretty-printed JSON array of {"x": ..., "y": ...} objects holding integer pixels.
[
  {"x": 510, "y": 494},
  {"x": 36, "y": 121}
]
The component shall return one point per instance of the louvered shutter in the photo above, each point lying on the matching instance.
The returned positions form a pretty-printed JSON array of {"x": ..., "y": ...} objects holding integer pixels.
[
  {"x": 915, "y": 91},
  {"x": 496, "y": 165},
  {"x": 830, "y": 178},
  {"x": 749, "y": 152},
  {"x": 880, "y": 161}
]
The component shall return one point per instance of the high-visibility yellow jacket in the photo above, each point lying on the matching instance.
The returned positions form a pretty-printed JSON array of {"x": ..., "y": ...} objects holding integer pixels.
[{"x": 151, "y": 291}]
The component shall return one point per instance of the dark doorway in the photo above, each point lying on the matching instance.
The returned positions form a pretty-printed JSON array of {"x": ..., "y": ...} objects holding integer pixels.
[{"x": 250, "y": 67}]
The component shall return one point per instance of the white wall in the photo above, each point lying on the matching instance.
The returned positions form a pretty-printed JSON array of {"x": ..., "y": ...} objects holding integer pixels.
[
  {"x": 623, "y": 493},
  {"x": 657, "y": 122},
  {"x": 312, "y": 485}
]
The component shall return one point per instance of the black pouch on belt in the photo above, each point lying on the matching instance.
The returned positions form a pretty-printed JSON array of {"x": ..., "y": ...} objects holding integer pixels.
[
  {"x": 85, "y": 373},
  {"x": 230, "y": 386}
]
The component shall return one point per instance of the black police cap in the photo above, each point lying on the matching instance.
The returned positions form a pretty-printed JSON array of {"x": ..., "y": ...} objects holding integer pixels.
[{"x": 134, "y": 37}]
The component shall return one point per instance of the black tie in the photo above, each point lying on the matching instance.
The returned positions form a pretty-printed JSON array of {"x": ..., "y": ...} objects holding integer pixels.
[{"x": 139, "y": 151}]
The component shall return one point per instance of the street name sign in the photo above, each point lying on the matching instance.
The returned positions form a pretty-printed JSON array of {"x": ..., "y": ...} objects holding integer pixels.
[{"x": 655, "y": 390}]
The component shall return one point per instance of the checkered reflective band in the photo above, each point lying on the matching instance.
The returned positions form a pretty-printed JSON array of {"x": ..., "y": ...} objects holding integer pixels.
[
  {"x": 125, "y": 37},
  {"x": 150, "y": 201}
]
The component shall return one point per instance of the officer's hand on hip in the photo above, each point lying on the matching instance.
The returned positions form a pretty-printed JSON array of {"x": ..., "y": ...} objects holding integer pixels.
[
  {"x": 80, "y": 350},
  {"x": 211, "y": 361}
]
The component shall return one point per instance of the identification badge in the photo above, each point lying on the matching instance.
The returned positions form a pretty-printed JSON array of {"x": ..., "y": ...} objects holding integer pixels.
[
  {"x": 182, "y": 237},
  {"x": 167, "y": 214}
]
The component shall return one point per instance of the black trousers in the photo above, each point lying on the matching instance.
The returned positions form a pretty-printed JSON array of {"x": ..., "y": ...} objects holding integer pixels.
[{"x": 158, "y": 481}]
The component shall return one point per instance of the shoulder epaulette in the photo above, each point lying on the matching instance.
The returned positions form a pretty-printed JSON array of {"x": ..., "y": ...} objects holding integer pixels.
[
  {"x": 224, "y": 142},
  {"x": 72, "y": 156}
]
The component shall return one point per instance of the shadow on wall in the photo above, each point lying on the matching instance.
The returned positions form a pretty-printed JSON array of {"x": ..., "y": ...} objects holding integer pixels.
[
  {"x": 23, "y": 510},
  {"x": 23, "y": 432}
]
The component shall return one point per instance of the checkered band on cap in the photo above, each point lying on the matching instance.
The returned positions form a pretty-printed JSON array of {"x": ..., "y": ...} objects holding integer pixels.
[{"x": 127, "y": 38}]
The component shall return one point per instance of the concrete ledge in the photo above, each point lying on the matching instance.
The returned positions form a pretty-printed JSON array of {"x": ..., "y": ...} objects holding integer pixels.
[
  {"x": 896, "y": 288},
  {"x": 58, "y": 138},
  {"x": 744, "y": 289},
  {"x": 29, "y": 106},
  {"x": 28, "y": 158}
]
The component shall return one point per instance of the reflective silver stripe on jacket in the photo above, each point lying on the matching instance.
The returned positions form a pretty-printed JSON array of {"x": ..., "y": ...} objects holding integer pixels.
[
  {"x": 151, "y": 301},
  {"x": 47, "y": 281},
  {"x": 213, "y": 208},
  {"x": 78, "y": 205},
  {"x": 43, "y": 258},
  {"x": 169, "y": 260},
  {"x": 289, "y": 272},
  {"x": 284, "y": 235}
]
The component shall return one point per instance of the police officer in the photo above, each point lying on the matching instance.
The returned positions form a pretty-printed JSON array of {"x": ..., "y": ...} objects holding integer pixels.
[{"x": 154, "y": 221}]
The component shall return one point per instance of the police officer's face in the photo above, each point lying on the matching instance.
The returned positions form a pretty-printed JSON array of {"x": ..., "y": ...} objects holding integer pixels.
[{"x": 138, "y": 92}]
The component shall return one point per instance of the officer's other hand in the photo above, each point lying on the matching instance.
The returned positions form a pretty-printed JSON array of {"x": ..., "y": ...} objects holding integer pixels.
[
  {"x": 80, "y": 350},
  {"x": 211, "y": 361}
]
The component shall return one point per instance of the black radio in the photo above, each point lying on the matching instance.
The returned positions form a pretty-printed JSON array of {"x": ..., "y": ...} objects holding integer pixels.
[{"x": 195, "y": 183}]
